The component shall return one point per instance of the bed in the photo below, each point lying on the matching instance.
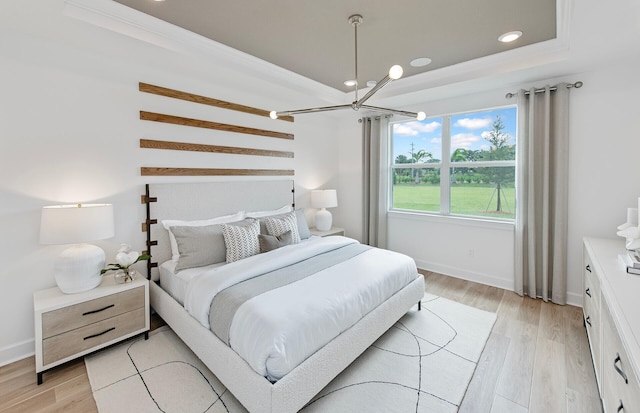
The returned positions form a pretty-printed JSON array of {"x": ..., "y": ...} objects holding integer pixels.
[{"x": 261, "y": 380}]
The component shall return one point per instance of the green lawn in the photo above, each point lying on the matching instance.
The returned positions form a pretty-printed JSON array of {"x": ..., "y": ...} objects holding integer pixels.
[{"x": 466, "y": 199}]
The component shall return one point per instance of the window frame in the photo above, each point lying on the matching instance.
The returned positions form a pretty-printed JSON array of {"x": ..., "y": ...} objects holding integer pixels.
[{"x": 445, "y": 166}]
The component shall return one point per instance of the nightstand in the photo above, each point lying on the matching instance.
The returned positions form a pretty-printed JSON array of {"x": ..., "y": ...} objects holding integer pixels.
[
  {"x": 68, "y": 326},
  {"x": 332, "y": 231}
]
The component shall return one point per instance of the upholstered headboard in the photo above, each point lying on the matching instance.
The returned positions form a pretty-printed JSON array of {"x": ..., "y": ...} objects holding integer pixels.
[{"x": 203, "y": 200}]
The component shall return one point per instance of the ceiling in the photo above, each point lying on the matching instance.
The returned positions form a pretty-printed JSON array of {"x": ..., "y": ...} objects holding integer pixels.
[{"x": 315, "y": 39}]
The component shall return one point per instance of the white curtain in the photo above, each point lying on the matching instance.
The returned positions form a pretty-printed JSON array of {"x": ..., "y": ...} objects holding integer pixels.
[
  {"x": 541, "y": 193},
  {"x": 375, "y": 171}
]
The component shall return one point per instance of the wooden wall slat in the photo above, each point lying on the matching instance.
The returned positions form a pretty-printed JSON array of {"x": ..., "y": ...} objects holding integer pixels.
[
  {"x": 160, "y": 171},
  {"x": 177, "y": 94},
  {"x": 178, "y": 120},
  {"x": 183, "y": 146}
]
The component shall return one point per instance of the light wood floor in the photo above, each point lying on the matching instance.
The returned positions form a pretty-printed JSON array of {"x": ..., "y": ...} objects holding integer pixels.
[{"x": 536, "y": 360}]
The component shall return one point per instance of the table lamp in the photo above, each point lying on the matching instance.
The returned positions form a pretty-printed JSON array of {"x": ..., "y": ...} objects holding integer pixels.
[
  {"x": 78, "y": 267},
  {"x": 324, "y": 198}
]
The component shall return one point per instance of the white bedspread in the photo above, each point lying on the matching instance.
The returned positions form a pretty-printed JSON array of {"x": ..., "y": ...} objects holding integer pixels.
[{"x": 277, "y": 330}]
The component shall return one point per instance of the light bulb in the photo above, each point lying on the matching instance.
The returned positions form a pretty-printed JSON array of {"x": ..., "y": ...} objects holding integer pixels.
[
  {"x": 395, "y": 72},
  {"x": 273, "y": 114},
  {"x": 421, "y": 116},
  {"x": 510, "y": 36}
]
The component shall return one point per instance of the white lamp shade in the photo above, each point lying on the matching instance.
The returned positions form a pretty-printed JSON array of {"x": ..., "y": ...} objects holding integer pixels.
[
  {"x": 72, "y": 224},
  {"x": 324, "y": 198},
  {"x": 78, "y": 267}
]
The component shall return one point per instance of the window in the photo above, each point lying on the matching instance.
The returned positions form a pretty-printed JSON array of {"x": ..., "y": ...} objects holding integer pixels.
[{"x": 462, "y": 164}]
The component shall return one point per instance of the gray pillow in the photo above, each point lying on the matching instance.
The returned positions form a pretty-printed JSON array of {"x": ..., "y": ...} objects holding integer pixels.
[
  {"x": 199, "y": 246},
  {"x": 303, "y": 227},
  {"x": 272, "y": 242}
]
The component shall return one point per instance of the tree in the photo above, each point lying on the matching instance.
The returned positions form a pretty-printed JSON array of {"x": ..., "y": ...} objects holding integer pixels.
[
  {"x": 418, "y": 157},
  {"x": 401, "y": 172},
  {"x": 459, "y": 155},
  {"x": 499, "y": 151}
]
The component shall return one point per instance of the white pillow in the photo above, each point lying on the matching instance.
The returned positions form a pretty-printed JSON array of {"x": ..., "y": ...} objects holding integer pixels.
[
  {"x": 279, "y": 225},
  {"x": 279, "y": 211},
  {"x": 168, "y": 223},
  {"x": 241, "y": 241}
]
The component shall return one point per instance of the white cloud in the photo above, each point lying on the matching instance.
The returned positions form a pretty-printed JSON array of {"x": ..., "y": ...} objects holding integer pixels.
[
  {"x": 414, "y": 128},
  {"x": 435, "y": 140},
  {"x": 464, "y": 140},
  {"x": 404, "y": 130},
  {"x": 470, "y": 123}
]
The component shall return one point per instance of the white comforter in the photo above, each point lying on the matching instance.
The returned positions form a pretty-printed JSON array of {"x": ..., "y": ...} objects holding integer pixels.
[{"x": 277, "y": 330}]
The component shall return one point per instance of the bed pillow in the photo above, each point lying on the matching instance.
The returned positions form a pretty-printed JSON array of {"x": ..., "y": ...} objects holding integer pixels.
[
  {"x": 168, "y": 223},
  {"x": 281, "y": 224},
  {"x": 303, "y": 227},
  {"x": 271, "y": 242},
  {"x": 199, "y": 246},
  {"x": 262, "y": 214},
  {"x": 241, "y": 241}
]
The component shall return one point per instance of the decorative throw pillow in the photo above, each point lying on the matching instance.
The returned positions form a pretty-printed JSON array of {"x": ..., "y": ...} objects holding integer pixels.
[
  {"x": 272, "y": 242},
  {"x": 168, "y": 223},
  {"x": 199, "y": 246},
  {"x": 279, "y": 225},
  {"x": 241, "y": 240}
]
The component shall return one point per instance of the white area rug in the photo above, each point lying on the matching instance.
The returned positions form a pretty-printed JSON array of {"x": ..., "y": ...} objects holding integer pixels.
[{"x": 422, "y": 364}]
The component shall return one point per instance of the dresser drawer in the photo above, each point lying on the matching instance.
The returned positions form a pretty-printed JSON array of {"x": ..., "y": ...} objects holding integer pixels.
[
  {"x": 82, "y": 314},
  {"x": 621, "y": 384},
  {"x": 75, "y": 341}
]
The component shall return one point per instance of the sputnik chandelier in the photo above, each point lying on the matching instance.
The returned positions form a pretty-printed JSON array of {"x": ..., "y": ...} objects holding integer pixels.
[{"x": 394, "y": 73}]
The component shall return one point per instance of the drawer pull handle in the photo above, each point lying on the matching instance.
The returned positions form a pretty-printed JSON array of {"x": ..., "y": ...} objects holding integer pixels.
[
  {"x": 98, "y": 310},
  {"x": 618, "y": 369},
  {"x": 99, "y": 334},
  {"x": 621, "y": 407},
  {"x": 587, "y": 292},
  {"x": 588, "y": 320}
]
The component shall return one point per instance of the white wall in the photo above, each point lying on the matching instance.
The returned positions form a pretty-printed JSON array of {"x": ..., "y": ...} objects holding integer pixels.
[{"x": 69, "y": 131}]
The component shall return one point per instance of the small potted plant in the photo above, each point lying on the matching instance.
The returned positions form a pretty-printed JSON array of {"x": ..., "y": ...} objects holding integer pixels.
[{"x": 125, "y": 258}]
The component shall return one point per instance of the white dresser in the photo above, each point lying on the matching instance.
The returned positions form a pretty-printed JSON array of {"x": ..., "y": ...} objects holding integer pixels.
[{"x": 612, "y": 317}]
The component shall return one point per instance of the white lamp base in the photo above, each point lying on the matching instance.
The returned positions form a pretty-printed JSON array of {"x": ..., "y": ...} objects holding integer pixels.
[
  {"x": 78, "y": 268},
  {"x": 323, "y": 220}
]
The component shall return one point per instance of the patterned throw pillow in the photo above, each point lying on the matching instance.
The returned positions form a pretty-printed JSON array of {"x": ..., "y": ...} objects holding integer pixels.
[
  {"x": 279, "y": 225},
  {"x": 241, "y": 240}
]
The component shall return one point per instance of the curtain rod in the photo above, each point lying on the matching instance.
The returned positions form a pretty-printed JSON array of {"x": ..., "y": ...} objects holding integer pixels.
[{"x": 577, "y": 85}]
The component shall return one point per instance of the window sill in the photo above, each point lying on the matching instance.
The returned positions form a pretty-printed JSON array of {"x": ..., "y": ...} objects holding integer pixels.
[{"x": 452, "y": 220}]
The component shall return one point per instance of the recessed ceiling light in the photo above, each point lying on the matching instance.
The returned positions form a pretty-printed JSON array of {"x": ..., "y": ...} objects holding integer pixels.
[
  {"x": 350, "y": 83},
  {"x": 420, "y": 61},
  {"x": 510, "y": 36},
  {"x": 371, "y": 83}
]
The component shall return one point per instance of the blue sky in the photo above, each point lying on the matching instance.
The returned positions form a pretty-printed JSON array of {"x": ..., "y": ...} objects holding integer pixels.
[{"x": 467, "y": 131}]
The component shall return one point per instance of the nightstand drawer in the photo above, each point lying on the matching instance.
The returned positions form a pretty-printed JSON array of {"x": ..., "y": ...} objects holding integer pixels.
[
  {"x": 75, "y": 341},
  {"x": 79, "y": 315}
]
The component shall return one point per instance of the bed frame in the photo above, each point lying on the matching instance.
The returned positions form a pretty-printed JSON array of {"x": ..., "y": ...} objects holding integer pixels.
[{"x": 253, "y": 391}]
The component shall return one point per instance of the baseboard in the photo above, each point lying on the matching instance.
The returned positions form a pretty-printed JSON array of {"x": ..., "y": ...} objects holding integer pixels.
[
  {"x": 572, "y": 298},
  {"x": 17, "y": 351},
  {"x": 478, "y": 277}
]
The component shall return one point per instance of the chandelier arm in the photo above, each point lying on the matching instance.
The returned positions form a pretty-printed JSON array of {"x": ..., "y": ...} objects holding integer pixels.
[
  {"x": 370, "y": 93},
  {"x": 395, "y": 111},
  {"x": 312, "y": 110}
]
